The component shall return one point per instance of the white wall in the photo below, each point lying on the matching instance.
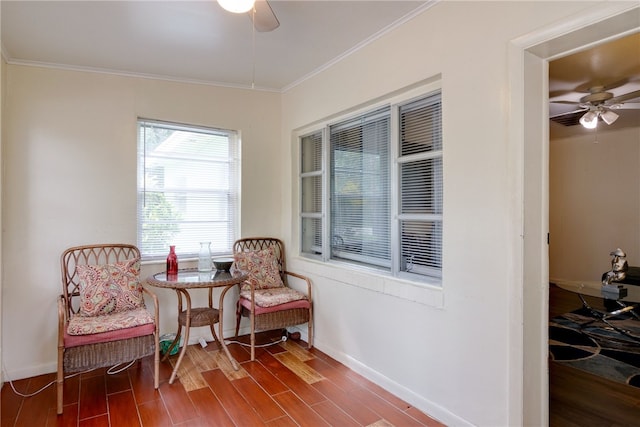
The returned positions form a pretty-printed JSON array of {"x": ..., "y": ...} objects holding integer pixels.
[
  {"x": 70, "y": 178},
  {"x": 594, "y": 202},
  {"x": 451, "y": 353}
]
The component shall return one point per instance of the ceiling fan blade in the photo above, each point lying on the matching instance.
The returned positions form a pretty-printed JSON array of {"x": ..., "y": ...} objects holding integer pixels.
[
  {"x": 568, "y": 113},
  {"x": 629, "y": 106},
  {"x": 565, "y": 102},
  {"x": 263, "y": 17},
  {"x": 626, "y": 96},
  {"x": 572, "y": 118}
]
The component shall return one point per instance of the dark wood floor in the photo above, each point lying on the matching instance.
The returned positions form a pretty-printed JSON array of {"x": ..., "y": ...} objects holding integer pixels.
[
  {"x": 285, "y": 386},
  {"x": 580, "y": 399}
]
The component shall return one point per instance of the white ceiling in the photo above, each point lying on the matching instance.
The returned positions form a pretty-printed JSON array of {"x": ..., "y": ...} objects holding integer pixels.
[
  {"x": 194, "y": 40},
  {"x": 198, "y": 41}
]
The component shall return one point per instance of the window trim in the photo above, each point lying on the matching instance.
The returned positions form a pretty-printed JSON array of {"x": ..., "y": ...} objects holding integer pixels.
[
  {"x": 234, "y": 175},
  {"x": 403, "y": 97}
]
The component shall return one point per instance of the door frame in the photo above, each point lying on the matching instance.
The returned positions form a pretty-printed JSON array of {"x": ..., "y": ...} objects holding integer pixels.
[{"x": 529, "y": 58}]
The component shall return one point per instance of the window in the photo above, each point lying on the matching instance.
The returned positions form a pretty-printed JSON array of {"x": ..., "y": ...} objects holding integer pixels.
[
  {"x": 371, "y": 189},
  {"x": 188, "y": 189}
]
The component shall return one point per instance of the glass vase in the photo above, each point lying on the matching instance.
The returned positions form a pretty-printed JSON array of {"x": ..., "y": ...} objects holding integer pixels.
[
  {"x": 172, "y": 261},
  {"x": 204, "y": 257}
]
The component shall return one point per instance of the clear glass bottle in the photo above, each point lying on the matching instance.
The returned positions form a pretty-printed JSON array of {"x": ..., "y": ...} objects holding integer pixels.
[
  {"x": 172, "y": 261},
  {"x": 204, "y": 257}
]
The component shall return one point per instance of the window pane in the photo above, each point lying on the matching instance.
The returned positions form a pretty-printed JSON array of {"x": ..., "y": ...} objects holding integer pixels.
[
  {"x": 421, "y": 126},
  {"x": 312, "y": 236},
  {"x": 360, "y": 205},
  {"x": 421, "y": 247},
  {"x": 421, "y": 187},
  {"x": 187, "y": 189},
  {"x": 312, "y": 194},
  {"x": 311, "y": 152}
]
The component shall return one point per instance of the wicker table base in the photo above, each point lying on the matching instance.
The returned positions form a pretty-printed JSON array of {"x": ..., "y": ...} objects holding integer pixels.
[{"x": 184, "y": 281}]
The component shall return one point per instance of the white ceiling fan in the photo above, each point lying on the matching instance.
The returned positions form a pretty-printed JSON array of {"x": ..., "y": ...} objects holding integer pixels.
[
  {"x": 598, "y": 105},
  {"x": 259, "y": 11}
]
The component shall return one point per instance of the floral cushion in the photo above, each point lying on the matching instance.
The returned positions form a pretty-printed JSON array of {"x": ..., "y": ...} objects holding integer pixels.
[
  {"x": 110, "y": 288},
  {"x": 261, "y": 266},
  {"x": 84, "y": 325},
  {"x": 274, "y": 296}
]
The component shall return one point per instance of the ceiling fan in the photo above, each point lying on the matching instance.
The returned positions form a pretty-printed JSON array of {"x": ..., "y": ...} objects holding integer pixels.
[
  {"x": 598, "y": 105},
  {"x": 259, "y": 11}
]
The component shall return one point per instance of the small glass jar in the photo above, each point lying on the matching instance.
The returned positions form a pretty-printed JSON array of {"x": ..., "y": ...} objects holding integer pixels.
[{"x": 204, "y": 257}]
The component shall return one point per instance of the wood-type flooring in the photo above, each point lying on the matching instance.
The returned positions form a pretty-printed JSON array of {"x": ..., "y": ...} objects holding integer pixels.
[
  {"x": 285, "y": 386},
  {"x": 581, "y": 399}
]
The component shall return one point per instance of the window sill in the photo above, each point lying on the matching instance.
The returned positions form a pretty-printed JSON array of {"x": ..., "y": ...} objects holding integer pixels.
[{"x": 428, "y": 293}]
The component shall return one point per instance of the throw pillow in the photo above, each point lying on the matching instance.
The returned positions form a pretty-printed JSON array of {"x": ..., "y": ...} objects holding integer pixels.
[
  {"x": 110, "y": 288},
  {"x": 261, "y": 266}
]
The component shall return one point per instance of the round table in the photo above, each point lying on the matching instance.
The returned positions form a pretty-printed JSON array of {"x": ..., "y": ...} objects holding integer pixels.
[
  {"x": 182, "y": 282},
  {"x": 628, "y": 301}
]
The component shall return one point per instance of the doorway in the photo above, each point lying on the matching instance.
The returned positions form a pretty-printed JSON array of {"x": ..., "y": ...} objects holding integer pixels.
[{"x": 529, "y": 129}]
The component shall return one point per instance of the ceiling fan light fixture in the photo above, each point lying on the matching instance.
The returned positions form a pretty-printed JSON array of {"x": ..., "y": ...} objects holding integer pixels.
[
  {"x": 589, "y": 120},
  {"x": 237, "y": 6},
  {"x": 609, "y": 116}
]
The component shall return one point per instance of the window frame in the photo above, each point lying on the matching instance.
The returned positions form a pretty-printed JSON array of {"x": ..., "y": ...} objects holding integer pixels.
[
  {"x": 230, "y": 194},
  {"x": 433, "y": 276}
]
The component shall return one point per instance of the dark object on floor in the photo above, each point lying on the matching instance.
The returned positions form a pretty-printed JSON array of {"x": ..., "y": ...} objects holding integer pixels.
[
  {"x": 295, "y": 336},
  {"x": 596, "y": 347}
]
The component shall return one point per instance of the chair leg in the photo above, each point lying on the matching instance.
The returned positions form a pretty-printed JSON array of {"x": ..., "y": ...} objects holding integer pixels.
[
  {"x": 238, "y": 318},
  {"x": 60, "y": 381},
  {"x": 252, "y": 318},
  {"x": 156, "y": 363}
]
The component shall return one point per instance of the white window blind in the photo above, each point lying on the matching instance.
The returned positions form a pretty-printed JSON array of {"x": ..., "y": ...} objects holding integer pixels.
[
  {"x": 311, "y": 177},
  {"x": 381, "y": 204},
  {"x": 188, "y": 189},
  {"x": 359, "y": 189},
  {"x": 420, "y": 173}
]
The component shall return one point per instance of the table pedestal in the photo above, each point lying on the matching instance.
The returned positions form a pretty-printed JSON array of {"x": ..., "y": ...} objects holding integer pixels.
[{"x": 198, "y": 316}]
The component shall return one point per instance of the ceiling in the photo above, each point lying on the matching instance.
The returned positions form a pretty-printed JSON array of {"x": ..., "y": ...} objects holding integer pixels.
[
  {"x": 195, "y": 41},
  {"x": 615, "y": 62},
  {"x": 198, "y": 41}
]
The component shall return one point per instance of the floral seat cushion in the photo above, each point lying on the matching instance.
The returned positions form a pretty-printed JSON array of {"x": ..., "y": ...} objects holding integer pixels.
[
  {"x": 86, "y": 325},
  {"x": 273, "y": 296}
]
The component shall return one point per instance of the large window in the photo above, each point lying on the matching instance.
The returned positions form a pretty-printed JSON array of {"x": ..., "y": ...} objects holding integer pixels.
[
  {"x": 188, "y": 189},
  {"x": 371, "y": 189}
]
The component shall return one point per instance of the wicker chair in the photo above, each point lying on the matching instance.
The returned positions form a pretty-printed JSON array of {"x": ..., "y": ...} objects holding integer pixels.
[
  {"x": 278, "y": 316},
  {"x": 109, "y": 340}
]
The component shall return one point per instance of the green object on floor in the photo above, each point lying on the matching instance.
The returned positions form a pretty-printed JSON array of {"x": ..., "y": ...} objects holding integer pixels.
[{"x": 165, "y": 342}]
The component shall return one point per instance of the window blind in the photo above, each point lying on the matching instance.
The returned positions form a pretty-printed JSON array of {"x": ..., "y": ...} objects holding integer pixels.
[
  {"x": 188, "y": 189},
  {"x": 311, "y": 193},
  {"x": 420, "y": 174},
  {"x": 360, "y": 189}
]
